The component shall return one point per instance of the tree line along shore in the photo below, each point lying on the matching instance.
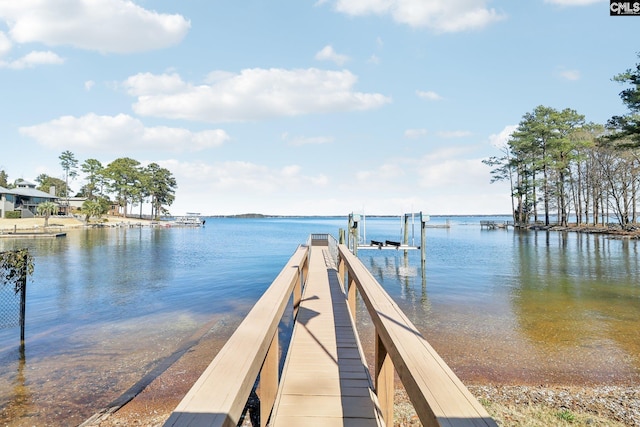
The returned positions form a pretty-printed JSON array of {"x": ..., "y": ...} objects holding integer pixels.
[{"x": 556, "y": 161}]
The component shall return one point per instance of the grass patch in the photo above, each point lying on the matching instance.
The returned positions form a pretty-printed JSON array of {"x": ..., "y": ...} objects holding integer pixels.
[
  {"x": 566, "y": 415},
  {"x": 543, "y": 416}
]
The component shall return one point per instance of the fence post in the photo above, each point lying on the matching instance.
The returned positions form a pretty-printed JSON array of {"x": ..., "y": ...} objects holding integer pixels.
[{"x": 23, "y": 303}]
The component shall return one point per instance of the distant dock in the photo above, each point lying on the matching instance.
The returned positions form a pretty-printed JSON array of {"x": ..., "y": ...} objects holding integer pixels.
[
  {"x": 30, "y": 235},
  {"x": 492, "y": 225}
]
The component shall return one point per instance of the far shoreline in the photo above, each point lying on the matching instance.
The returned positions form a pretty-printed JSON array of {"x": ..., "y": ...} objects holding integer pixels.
[{"x": 63, "y": 223}]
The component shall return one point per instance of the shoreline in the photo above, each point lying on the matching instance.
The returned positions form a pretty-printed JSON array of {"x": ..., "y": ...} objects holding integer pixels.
[
  {"x": 509, "y": 404},
  {"x": 62, "y": 223},
  {"x": 57, "y": 224}
]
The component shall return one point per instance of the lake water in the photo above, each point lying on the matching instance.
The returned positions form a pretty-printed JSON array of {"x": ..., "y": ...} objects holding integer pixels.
[{"x": 106, "y": 306}]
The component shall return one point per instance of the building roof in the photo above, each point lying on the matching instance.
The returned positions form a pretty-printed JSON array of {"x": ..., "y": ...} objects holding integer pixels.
[{"x": 28, "y": 192}]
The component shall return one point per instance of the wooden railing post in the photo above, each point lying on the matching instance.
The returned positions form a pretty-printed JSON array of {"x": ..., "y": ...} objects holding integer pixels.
[
  {"x": 297, "y": 293},
  {"x": 268, "y": 386},
  {"x": 384, "y": 374},
  {"x": 351, "y": 295}
]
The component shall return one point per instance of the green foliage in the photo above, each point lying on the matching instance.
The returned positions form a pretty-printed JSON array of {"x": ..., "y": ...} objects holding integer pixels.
[
  {"x": 15, "y": 267},
  {"x": 124, "y": 179},
  {"x": 566, "y": 415},
  {"x": 46, "y": 208},
  {"x": 13, "y": 215},
  {"x": 538, "y": 158},
  {"x": 162, "y": 187},
  {"x": 46, "y": 182},
  {"x": 95, "y": 178},
  {"x": 627, "y": 127},
  {"x": 94, "y": 208},
  {"x": 3, "y": 179},
  {"x": 69, "y": 165},
  {"x": 123, "y": 176}
]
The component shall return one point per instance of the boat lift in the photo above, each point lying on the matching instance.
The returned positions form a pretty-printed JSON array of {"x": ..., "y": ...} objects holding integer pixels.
[{"x": 357, "y": 242}]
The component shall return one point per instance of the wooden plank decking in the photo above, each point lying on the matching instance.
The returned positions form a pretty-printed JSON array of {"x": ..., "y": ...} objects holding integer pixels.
[{"x": 325, "y": 381}]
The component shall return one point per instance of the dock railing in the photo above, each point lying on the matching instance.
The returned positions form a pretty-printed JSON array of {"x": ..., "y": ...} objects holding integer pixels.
[
  {"x": 220, "y": 395},
  {"x": 438, "y": 396}
]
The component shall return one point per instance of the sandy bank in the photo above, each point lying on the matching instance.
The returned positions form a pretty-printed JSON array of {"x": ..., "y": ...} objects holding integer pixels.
[{"x": 61, "y": 223}]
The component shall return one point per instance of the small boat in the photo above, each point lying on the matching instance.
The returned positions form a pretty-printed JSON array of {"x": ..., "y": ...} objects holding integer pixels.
[{"x": 191, "y": 219}]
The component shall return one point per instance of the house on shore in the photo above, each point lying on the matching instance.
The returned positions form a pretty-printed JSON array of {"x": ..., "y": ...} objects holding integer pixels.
[{"x": 24, "y": 198}]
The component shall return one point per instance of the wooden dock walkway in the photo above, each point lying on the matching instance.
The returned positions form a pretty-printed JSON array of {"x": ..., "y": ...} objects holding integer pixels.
[{"x": 325, "y": 380}]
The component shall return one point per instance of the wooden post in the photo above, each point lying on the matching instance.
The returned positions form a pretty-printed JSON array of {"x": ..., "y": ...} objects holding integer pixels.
[
  {"x": 305, "y": 272},
  {"x": 423, "y": 241},
  {"x": 384, "y": 381},
  {"x": 405, "y": 237},
  {"x": 351, "y": 295},
  {"x": 268, "y": 387},
  {"x": 297, "y": 293},
  {"x": 356, "y": 235}
]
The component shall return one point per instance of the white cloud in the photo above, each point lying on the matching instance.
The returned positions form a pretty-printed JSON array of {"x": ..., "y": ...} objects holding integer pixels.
[
  {"x": 328, "y": 54},
  {"x": 147, "y": 84},
  {"x": 571, "y": 75},
  {"x": 453, "y": 173},
  {"x": 429, "y": 95},
  {"x": 443, "y": 181},
  {"x": 121, "y": 133},
  {"x": 297, "y": 141},
  {"x": 573, "y": 2},
  {"x": 415, "y": 133},
  {"x": 89, "y": 84},
  {"x": 253, "y": 94},
  {"x": 500, "y": 139},
  {"x": 451, "y": 168},
  {"x": 33, "y": 59},
  {"x": 245, "y": 179},
  {"x": 118, "y": 26},
  {"x": 5, "y": 44},
  {"x": 438, "y": 15},
  {"x": 244, "y": 187}
]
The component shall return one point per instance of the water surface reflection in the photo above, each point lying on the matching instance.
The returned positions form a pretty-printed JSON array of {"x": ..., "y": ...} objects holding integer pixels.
[
  {"x": 107, "y": 306},
  {"x": 513, "y": 307}
]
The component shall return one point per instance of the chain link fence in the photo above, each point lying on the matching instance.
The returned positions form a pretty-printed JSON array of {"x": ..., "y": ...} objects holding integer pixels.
[
  {"x": 9, "y": 305},
  {"x": 15, "y": 266}
]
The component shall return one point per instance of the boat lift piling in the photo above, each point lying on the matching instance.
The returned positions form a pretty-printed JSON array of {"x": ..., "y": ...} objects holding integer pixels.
[{"x": 356, "y": 242}]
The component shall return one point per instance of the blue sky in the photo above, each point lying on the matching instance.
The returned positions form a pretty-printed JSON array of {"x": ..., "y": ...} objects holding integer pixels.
[{"x": 302, "y": 107}]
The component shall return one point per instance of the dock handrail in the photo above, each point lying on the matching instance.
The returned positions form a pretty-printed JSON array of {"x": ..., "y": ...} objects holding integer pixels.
[
  {"x": 438, "y": 396},
  {"x": 220, "y": 394},
  {"x": 325, "y": 239}
]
